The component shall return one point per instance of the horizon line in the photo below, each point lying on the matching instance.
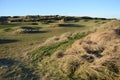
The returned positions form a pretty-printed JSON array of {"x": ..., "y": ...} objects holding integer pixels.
[{"x": 59, "y": 15}]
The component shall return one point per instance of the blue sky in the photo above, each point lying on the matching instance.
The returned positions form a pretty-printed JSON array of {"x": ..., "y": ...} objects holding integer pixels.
[{"x": 94, "y": 8}]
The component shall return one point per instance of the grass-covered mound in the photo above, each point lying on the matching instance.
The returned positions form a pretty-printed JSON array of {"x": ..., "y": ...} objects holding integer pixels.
[
  {"x": 95, "y": 57},
  {"x": 90, "y": 54},
  {"x": 24, "y": 29},
  {"x": 28, "y": 29}
]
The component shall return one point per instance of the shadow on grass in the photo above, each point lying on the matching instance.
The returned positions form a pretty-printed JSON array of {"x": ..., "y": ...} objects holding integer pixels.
[
  {"x": 15, "y": 68},
  {"x": 70, "y": 25},
  {"x": 32, "y": 32},
  {"x": 5, "y": 41},
  {"x": 28, "y": 29},
  {"x": 97, "y": 53},
  {"x": 117, "y": 31},
  {"x": 6, "y": 62}
]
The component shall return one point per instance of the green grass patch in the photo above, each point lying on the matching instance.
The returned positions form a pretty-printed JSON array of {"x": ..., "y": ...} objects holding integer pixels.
[
  {"x": 41, "y": 52},
  {"x": 8, "y": 26}
]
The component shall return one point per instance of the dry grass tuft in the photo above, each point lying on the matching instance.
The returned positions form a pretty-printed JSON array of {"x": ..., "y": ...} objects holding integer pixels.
[
  {"x": 26, "y": 29},
  {"x": 95, "y": 57},
  {"x": 99, "y": 49},
  {"x": 110, "y": 25}
]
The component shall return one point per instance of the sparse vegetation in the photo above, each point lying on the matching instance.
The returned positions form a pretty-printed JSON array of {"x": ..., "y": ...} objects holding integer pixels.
[
  {"x": 48, "y": 50},
  {"x": 88, "y": 49}
]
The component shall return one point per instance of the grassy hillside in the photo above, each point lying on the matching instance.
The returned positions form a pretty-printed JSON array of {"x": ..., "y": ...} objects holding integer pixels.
[{"x": 81, "y": 50}]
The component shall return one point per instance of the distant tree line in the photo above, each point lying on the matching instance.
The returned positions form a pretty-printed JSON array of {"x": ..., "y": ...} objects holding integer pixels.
[{"x": 43, "y": 19}]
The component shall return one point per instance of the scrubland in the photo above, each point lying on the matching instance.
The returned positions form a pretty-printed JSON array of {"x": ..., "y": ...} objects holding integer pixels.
[{"x": 71, "y": 50}]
